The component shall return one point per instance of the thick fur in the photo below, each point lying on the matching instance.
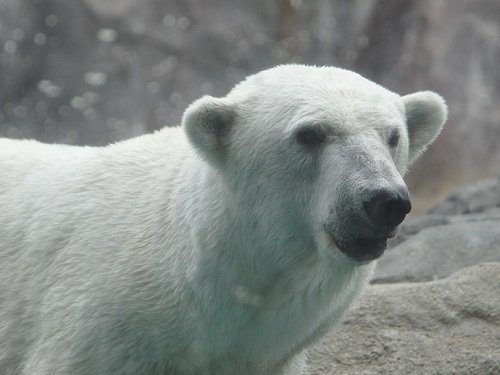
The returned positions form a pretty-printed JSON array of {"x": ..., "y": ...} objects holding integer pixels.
[{"x": 201, "y": 249}]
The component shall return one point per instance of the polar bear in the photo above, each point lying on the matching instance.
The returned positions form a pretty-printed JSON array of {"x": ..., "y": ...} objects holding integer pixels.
[{"x": 225, "y": 246}]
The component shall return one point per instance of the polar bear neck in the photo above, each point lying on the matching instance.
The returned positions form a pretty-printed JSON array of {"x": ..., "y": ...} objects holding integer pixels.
[
  {"x": 227, "y": 263},
  {"x": 255, "y": 238},
  {"x": 250, "y": 265}
]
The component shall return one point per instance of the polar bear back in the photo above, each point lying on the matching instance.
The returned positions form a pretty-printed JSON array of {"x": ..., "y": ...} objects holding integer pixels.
[{"x": 94, "y": 211}]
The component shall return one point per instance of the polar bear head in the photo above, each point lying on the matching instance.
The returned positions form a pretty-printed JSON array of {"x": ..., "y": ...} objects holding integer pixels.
[{"x": 315, "y": 155}]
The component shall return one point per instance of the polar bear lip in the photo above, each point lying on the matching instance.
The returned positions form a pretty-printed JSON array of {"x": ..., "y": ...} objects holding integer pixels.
[{"x": 363, "y": 249}]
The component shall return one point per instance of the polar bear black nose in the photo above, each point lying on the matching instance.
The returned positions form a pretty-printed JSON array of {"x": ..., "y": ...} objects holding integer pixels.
[{"x": 387, "y": 208}]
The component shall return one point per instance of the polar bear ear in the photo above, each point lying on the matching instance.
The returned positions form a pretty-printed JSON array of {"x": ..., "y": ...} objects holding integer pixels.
[
  {"x": 207, "y": 123},
  {"x": 426, "y": 113}
]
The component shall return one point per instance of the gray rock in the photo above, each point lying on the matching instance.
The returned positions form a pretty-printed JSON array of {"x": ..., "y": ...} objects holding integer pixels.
[
  {"x": 461, "y": 230},
  {"x": 147, "y": 60},
  {"x": 445, "y": 327},
  {"x": 112, "y": 8},
  {"x": 482, "y": 196},
  {"x": 414, "y": 225},
  {"x": 472, "y": 200},
  {"x": 437, "y": 251}
]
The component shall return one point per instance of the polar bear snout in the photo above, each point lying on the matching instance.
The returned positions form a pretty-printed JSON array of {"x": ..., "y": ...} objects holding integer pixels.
[
  {"x": 387, "y": 208},
  {"x": 363, "y": 236}
]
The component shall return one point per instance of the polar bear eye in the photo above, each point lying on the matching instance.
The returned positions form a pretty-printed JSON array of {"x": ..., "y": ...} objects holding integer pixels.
[
  {"x": 310, "y": 136},
  {"x": 393, "y": 140}
]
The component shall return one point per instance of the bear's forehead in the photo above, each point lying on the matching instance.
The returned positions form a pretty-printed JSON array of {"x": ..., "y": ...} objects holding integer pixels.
[
  {"x": 322, "y": 94},
  {"x": 286, "y": 77},
  {"x": 314, "y": 86}
]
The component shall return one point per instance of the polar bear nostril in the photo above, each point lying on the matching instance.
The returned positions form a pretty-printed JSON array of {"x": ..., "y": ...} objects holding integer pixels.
[{"x": 387, "y": 208}]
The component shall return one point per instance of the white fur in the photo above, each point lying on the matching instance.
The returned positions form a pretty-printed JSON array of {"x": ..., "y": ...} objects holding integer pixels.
[{"x": 198, "y": 254}]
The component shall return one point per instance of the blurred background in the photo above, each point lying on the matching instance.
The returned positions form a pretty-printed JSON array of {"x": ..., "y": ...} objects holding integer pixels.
[{"x": 90, "y": 72}]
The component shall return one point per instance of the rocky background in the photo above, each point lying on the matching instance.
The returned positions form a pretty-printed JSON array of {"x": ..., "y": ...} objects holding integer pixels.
[
  {"x": 434, "y": 306},
  {"x": 98, "y": 71}
]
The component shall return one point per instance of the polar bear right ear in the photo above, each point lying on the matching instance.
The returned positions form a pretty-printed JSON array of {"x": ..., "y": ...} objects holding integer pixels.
[
  {"x": 425, "y": 113},
  {"x": 207, "y": 123}
]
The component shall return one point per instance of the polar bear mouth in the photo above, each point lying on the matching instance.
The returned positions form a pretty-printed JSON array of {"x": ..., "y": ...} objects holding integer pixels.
[{"x": 363, "y": 249}]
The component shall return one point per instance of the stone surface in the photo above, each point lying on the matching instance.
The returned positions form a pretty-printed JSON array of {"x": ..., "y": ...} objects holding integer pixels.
[
  {"x": 111, "y": 8},
  {"x": 482, "y": 196},
  {"x": 98, "y": 71},
  {"x": 461, "y": 230},
  {"x": 438, "y": 251},
  {"x": 445, "y": 327}
]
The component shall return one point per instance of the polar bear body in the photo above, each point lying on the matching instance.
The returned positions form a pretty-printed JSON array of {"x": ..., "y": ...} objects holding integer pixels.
[{"x": 204, "y": 249}]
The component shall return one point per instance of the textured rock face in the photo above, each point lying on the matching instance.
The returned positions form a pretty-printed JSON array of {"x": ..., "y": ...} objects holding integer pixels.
[
  {"x": 483, "y": 196},
  {"x": 96, "y": 71},
  {"x": 461, "y": 230},
  {"x": 451, "y": 47},
  {"x": 446, "y": 327},
  {"x": 438, "y": 251}
]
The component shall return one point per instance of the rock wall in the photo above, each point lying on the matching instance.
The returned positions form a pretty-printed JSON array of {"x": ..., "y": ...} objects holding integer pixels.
[
  {"x": 444, "y": 327},
  {"x": 97, "y": 71},
  {"x": 434, "y": 308},
  {"x": 459, "y": 231}
]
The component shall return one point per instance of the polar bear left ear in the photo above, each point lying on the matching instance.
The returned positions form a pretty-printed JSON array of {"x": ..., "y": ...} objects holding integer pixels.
[
  {"x": 207, "y": 123},
  {"x": 425, "y": 113}
]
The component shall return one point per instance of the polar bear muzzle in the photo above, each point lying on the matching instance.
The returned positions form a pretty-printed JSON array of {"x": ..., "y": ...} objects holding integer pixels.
[{"x": 363, "y": 235}]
